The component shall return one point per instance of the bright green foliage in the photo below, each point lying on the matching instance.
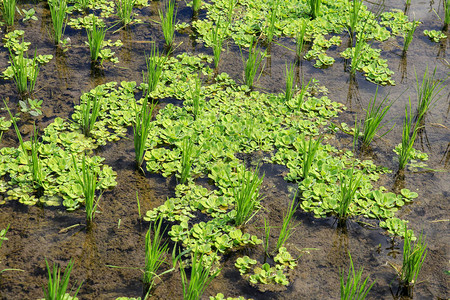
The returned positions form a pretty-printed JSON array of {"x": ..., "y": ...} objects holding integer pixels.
[
  {"x": 300, "y": 40},
  {"x": 155, "y": 252},
  {"x": 244, "y": 264},
  {"x": 25, "y": 71},
  {"x": 187, "y": 157},
  {"x": 414, "y": 255},
  {"x": 141, "y": 129},
  {"x": 154, "y": 63},
  {"x": 409, "y": 135},
  {"x": 90, "y": 110},
  {"x": 287, "y": 227},
  {"x": 168, "y": 20},
  {"x": 309, "y": 151},
  {"x": 314, "y": 7},
  {"x": 88, "y": 180},
  {"x": 36, "y": 169},
  {"x": 58, "y": 10},
  {"x": 349, "y": 185},
  {"x": 409, "y": 35},
  {"x": 217, "y": 41},
  {"x": 57, "y": 286},
  {"x": 246, "y": 196},
  {"x": 8, "y": 9},
  {"x": 195, "y": 96},
  {"x": 354, "y": 15},
  {"x": 96, "y": 35},
  {"x": 3, "y": 234},
  {"x": 289, "y": 92},
  {"x": 435, "y": 35},
  {"x": 252, "y": 64},
  {"x": 200, "y": 278},
  {"x": 125, "y": 10},
  {"x": 271, "y": 20},
  {"x": 354, "y": 288},
  {"x": 196, "y": 4},
  {"x": 447, "y": 12},
  {"x": 374, "y": 117},
  {"x": 427, "y": 93}
]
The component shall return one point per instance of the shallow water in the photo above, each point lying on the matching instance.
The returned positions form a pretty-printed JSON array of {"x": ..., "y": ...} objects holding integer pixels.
[{"x": 118, "y": 237}]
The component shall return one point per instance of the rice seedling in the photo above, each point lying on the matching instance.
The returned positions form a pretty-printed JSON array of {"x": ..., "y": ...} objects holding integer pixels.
[
  {"x": 90, "y": 110},
  {"x": 356, "y": 133},
  {"x": 246, "y": 196},
  {"x": 25, "y": 71},
  {"x": 154, "y": 64},
  {"x": 96, "y": 35},
  {"x": 57, "y": 286},
  {"x": 309, "y": 152},
  {"x": 138, "y": 204},
  {"x": 348, "y": 186},
  {"x": 354, "y": 15},
  {"x": 357, "y": 53},
  {"x": 272, "y": 19},
  {"x": 354, "y": 288},
  {"x": 154, "y": 254},
  {"x": 447, "y": 12},
  {"x": 217, "y": 41},
  {"x": 187, "y": 155},
  {"x": 427, "y": 93},
  {"x": 58, "y": 10},
  {"x": 303, "y": 92},
  {"x": 252, "y": 64},
  {"x": 414, "y": 255},
  {"x": 88, "y": 179},
  {"x": 141, "y": 129},
  {"x": 300, "y": 41},
  {"x": 230, "y": 10},
  {"x": 409, "y": 135},
  {"x": 83, "y": 4},
  {"x": 16, "y": 128},
  {"x": 195, "y": 95},
  {"x": 36, "y": 168},
  {"x": 314, "y": 7},
  {"x": 196, "y": 4},
  {"x": 373, "y": 118},
  {"x": 290, "y": 77},
  {"x": 409, "y": 36},
  {"x": 266, "y": 236},
  {"x": 287, "y": 228},
  {"x": 168, "y": 18},
  {"x": 124, "y": 10},
  {"x": 200, "y": 278},
  {"x": 8, "y": 8}
]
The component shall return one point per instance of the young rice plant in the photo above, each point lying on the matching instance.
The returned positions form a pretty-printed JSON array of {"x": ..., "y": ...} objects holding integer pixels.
[
  {"x": 125, "y": 10},
  {"x": 409, "y": 135},
  {"x": 290, "y": 77},
  {"x": 58, "y": 10},
  {"x": 168, "y": 19},
  {"x": 57, "y": 286},
  {"x": 427, "y": 93},
  {"x": 309, "y": 152},
  {"x": 287, "y": 228},
  {"x": 8, "y": 8},
  {"x": 25, "y": 71},
  {"x": 354, "y": 288},
  {"x": 141, "y": 129},
  {"x": 90, "y": 110},
  {"x": 96, "y": 35},
  {"x": 349, "y": 185},
  {"x": 409, "y": 36},
  {"x": 252, "y": 64},
  {"x": 154, "y": 64}
]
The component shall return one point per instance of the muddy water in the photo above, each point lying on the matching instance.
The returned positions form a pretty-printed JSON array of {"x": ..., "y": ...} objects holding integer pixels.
[{"x": 117, "y": 238}]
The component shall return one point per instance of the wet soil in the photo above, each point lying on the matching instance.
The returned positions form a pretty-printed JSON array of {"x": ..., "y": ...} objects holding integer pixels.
[{"x": 117, "y": 239}]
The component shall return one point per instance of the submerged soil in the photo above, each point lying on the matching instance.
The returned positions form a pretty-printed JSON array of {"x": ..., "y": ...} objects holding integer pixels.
[{"x": 117, "y": 238}]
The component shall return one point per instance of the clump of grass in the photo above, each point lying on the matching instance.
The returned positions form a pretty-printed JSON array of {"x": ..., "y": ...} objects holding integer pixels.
[
  {"x": 196, "y": 4},
  {"x": 309, "y": 152},
  {"x": 447, "y": 12},
  {"x": 230, "y": 9},
  {"x": 272, "y": 19},
  {"x": 57, "y": 286},
  {"x": 8, "y": 8},
  {"x": 414, "y": 255},
  {"x": 246, "y": 196},
  {"x": 354, "y": 15},
  {"x": 3, "y": 234},
  {"x": 25, "y": 71},
  {"x": 187, "y": 156},
  {"x": 217, "y": 41},
  {"x": 373, "y": 118},
  {"x": 88, "y": 179},
  {"x": 287, "y": 228},
  {"x": 36, "y": 168},
  {"x": 125, "y": 10},
  {"x": 141, "y": 129},
  {"x": 195, "y": 95},
  {"x": 427, "y": 93},
  {"x": 303, "y": 92},
  {"x": 168, "y": 19},
  {"x": 300, "y": 40},
  {"x": 314, "y": 8},
  {"x": 200, "y": 278},
  {"x": 354, "y": 288},
  {"x": 409, "y": 36},
  {"x": 155, "y": 250},
  {"x": 58, "y": 10},
  {"x": 357, "y": 53},
  {"x": 96, "y": 35},
  {"x": 90, "y": 111},
  {"x": 252, "y": 64},
  {"x": 349, "y": 183},
  {"x": 290, "y": 77},
  {"x": 154, "y": 64},
  {"x": 409, "y": 135}
]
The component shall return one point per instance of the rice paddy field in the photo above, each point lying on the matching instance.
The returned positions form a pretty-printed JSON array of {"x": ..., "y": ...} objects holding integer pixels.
[{"x": 225, "y": 149}]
